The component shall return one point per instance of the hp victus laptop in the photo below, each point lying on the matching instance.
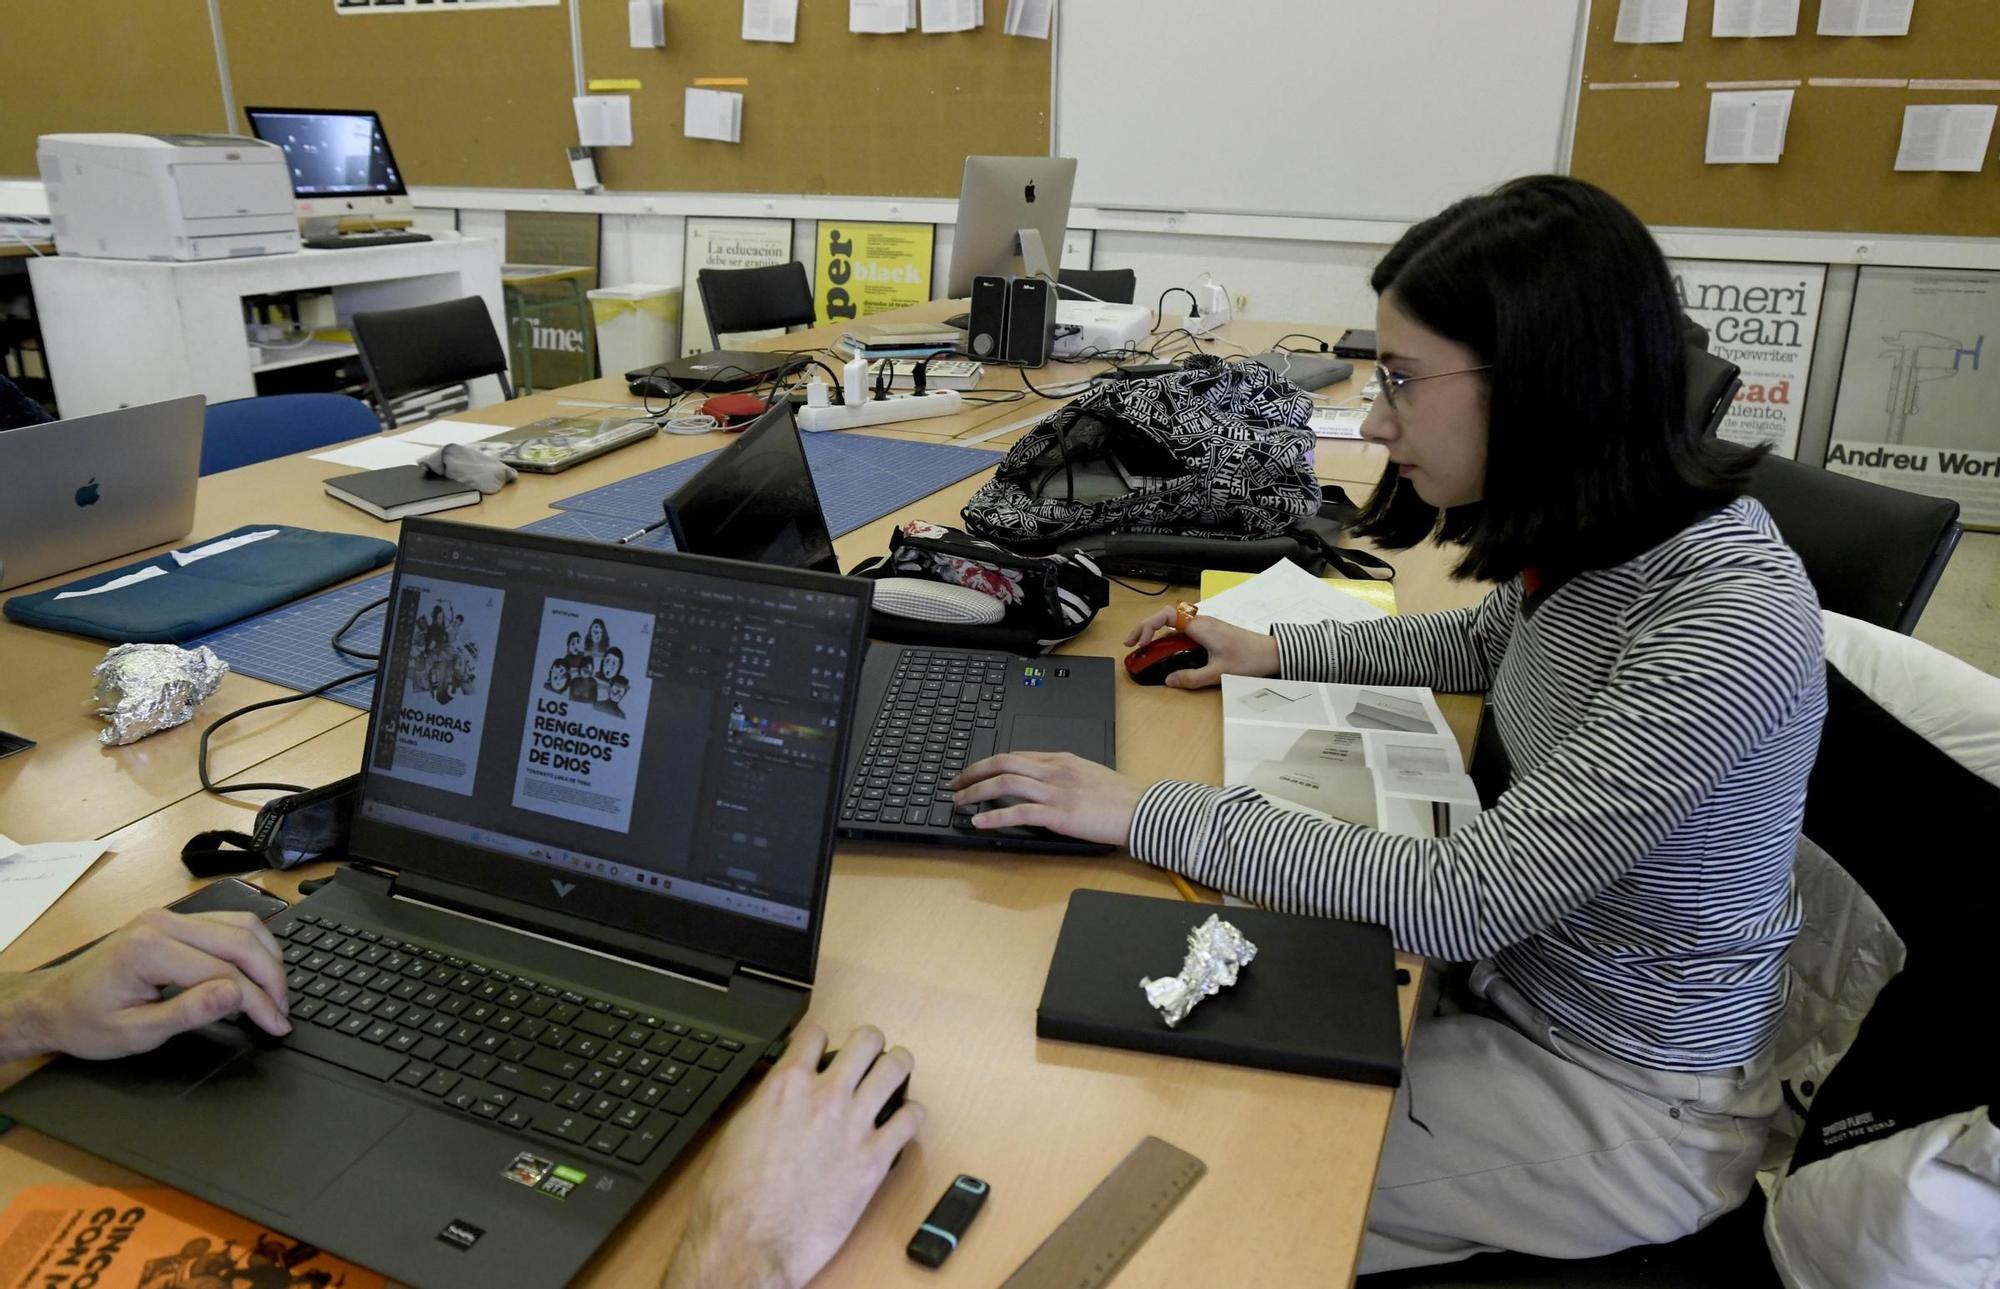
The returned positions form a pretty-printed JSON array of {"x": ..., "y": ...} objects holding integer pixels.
[
  {"x": 927, "y": 713},
  {"x": 590, "y": 859},
  {"x": 713, "y": 372},
  {"x": 96, "y": 487}
]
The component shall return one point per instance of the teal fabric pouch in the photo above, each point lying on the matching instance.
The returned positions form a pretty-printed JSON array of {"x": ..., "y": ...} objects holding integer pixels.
[{"x": 176, "y": 597}]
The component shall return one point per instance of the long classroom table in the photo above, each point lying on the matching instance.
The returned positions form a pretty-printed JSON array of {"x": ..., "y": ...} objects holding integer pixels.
[{"x": 946, "y": 951}]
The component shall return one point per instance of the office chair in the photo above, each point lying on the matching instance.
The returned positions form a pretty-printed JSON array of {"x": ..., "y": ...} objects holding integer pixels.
[
  {"x": 771, "y": 298},
  {"x": 1872, "y": 552},
  {"x": 1112, "y": 286},
  {"x": 245, "y": 431},
  {"x": 1711, "y": 387},
  {"x": 427, "y": 348},
  {"x": 1866, "y": 757}
]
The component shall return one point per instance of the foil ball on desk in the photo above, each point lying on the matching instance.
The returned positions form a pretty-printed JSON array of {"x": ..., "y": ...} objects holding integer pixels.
[
  {"x": 1217, "y": 951},
  {"x": 145, "y": 688}
]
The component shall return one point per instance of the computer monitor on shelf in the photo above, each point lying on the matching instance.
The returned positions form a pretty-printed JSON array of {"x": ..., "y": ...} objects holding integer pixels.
[
  {"x": 1012, "y": 214},
  {"x": 342, "y": 169}
]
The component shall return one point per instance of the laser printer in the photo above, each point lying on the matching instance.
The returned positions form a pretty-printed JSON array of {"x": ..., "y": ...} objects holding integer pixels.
[{"x": 167, "y": 196}]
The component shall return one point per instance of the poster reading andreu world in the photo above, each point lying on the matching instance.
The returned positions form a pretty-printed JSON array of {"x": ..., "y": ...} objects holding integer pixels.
[
  {"x": 586, "y": 715},
  {"x": 441, "y": 710}
]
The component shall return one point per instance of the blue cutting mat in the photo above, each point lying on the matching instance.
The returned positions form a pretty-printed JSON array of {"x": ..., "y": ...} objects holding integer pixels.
[
  {"x": 290, "y": 645},
  {"x": 860, "y": 479},
  {"x": 593, "y": 527}
]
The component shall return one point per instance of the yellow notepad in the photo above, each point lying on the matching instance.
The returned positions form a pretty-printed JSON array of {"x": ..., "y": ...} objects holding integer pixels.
[{"x": 1380, "y": 594}]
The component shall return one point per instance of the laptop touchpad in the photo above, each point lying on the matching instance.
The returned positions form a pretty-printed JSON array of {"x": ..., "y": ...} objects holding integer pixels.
[
  {"x": 271, "y": 1131},
  {"x": 1058, "y": 734}
]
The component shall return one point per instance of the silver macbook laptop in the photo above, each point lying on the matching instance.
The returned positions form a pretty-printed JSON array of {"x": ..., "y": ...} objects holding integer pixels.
[{"x": 96, "y": 487}]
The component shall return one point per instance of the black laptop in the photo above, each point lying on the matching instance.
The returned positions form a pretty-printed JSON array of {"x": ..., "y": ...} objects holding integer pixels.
[
  {"x": 590, "y": 859},
  {"x": 715, "y": 372},
  {"x": 925, "y": 713}
]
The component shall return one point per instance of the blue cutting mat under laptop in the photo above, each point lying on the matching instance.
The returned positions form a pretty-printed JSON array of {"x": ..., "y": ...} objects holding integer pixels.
[
  {"x": 860, "y": 479},
  {"x": 292, "y": 645}
]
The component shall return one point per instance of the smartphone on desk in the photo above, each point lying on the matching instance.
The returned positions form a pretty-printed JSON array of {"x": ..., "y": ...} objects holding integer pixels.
[
  {"x": 12, "y": 743},
  {"x": 224, "y": 895}
]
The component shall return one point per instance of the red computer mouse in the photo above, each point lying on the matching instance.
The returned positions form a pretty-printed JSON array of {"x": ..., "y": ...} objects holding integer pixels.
[{"x": 1151, "y": 663}]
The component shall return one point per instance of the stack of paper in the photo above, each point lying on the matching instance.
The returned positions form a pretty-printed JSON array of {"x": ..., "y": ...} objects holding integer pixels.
[
  {"x": 1747, "y": 126},
  {"x": 714, "y": 114},
  {"x": 1337, "y": 422},
  {"x": 1950, "y": 136},
  {"x": 603, "y": 120}
]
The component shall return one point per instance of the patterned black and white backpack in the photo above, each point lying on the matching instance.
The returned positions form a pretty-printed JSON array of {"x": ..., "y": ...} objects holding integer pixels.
[{"x": 1216, "y": 449}]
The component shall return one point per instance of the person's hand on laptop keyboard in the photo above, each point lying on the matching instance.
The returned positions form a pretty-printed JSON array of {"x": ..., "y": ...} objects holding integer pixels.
[
  {"x": 797, "y": 1165},
  {"x": 107, "y": 1001},
  {"x": 1060, "y": 791}
]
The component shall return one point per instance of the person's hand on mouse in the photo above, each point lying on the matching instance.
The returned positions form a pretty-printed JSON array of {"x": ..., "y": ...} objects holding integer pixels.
[
  {"x": 797, "y": 1165},
  {"x": 106, "y": 1002},
  {"x": 1059, "y": 791},
  {"x": 1232, "y": 650}
]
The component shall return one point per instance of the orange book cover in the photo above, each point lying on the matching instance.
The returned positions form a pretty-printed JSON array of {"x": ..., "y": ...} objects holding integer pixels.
[{"x": 100, "y": 1237}]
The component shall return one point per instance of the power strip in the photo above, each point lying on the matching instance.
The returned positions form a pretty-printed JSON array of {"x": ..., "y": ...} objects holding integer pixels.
[{"x": 881, "y": 411}]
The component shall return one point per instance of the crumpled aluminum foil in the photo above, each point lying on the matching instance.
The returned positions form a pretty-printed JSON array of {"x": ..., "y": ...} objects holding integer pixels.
[
  {"x": 1217, "y": 951},
  {"x": 145, "y": 688}
]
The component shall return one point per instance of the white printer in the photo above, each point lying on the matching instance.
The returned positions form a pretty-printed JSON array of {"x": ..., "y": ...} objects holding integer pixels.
[{"x": 167, "y": 196}]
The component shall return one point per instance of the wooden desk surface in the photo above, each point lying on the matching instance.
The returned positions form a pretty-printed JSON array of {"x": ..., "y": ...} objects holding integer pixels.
[{"x": 945, "y": 951}]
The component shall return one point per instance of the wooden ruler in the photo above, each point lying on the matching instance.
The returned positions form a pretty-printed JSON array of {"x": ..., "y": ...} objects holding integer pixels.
[{"x": 1113, "y": 1220}]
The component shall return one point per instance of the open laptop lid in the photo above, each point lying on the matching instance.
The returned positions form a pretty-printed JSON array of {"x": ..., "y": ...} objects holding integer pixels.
[
  {"x": 648, "y": 741},
  {"x": 755, "y": 501}
]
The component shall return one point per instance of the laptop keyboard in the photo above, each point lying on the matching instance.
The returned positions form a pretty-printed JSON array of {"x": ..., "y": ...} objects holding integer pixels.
[
  {"x": 522, "y": 1053},
  {"x": 941, "y": 712}
]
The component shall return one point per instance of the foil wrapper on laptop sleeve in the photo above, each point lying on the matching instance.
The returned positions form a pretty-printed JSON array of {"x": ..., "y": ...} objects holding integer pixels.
[
  {"x": 1217, "y": 951},
  {"x": 145, "y": 688}
]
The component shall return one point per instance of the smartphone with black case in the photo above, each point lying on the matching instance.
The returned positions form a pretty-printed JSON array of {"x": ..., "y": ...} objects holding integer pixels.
[
  {"x": 225, "y": 895},
  {"x": 12, "y": 743}
]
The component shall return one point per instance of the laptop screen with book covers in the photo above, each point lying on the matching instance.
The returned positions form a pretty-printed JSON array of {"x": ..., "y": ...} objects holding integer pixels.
[{"x": 664, "y": 730}]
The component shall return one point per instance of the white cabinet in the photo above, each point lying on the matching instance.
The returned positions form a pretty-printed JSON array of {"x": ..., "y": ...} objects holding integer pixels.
[{"x": 125, "y": 332}]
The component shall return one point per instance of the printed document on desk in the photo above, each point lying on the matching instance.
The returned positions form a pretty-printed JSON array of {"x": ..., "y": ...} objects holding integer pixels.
[
  {"x": 1285, "y": 592},
  {"x": 1377, "y": 755},
  {"x": 34, "y": 877},
  {"x": 714, "y": 114}
]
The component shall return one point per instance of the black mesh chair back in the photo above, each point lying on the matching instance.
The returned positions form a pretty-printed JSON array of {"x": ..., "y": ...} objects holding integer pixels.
[
  {"x": 430, "y": 347},
  {"x": 761, "y": 299},
  {"x": 1872, "y": 552},
  {"x": 1112, "y": 286}
]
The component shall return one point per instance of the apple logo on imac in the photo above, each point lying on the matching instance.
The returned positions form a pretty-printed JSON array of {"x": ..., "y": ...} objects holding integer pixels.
[
  {"x": 87, "y": 494},
  {"x": 1031, "y": 192}
]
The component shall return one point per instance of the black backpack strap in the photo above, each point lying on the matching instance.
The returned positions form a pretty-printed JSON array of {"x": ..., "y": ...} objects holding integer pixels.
[{"x": 1345, "y": 560}]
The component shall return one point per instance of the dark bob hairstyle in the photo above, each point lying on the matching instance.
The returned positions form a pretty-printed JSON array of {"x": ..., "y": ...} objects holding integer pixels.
[{"x": 1590, "y": 456}]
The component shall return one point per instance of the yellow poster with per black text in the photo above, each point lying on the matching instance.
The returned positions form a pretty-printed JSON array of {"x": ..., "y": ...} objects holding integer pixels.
[{"x": 866, "y": 269}]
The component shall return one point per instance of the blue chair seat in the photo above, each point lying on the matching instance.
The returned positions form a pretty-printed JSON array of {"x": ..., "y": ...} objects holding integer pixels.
[{"x": 249, "y": 430}]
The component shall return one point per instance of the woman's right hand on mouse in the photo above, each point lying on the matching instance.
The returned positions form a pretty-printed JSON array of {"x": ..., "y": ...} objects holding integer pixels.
[{"x": 1231, "y": 650}]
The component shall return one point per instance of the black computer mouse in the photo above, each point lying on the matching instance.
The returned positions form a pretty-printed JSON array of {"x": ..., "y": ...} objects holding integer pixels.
[
  {"x": 1151, "y": 663},
  {"x": 896, "y": 1098}
]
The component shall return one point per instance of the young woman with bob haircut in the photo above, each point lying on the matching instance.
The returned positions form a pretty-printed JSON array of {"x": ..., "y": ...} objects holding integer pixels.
[{"x": 1652, "y": 655}]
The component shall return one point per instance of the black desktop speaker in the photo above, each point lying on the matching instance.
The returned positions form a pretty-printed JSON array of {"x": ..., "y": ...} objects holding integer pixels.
[
  {"x": 1031, "y": 321},
  {"x": 986, "y": 330}
]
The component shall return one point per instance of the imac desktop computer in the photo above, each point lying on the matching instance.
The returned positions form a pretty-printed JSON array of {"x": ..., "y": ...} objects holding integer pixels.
[{"x": 349, "y": 189}]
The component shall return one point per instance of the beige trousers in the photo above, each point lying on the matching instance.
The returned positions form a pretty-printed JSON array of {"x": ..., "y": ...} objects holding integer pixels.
[{"x": 1508, "y": 1134}]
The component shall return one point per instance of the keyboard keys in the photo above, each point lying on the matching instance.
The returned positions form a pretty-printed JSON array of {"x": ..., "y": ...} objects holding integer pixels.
[
  {"x": 641, "y": 1144},
  {"x": 562, "y": 1124},
  {"x": 602, "y": 1026},
  {"x": 441, "y": 1083},
  {"x": 517, "y": 1117},
  {"x": 478, "y": 1065},
  {"x": 414, "y": 1074},
  {"x": 602, "y": 1107},
  {"x": 715, "y": 1059},
  {"x": 550, "y": 1061},
  {"x": 453, "y": 1057},
  {"x": 358, "y": 1057},
  {"x": 607, "y": 1139},
  {"x": 629, "y": 1117},
  {"x": 379, "y": 1032},
  {"x": 528, "y": 1082},
  {"x": 515, "y": 1049},
  {"x": 574, "y": 1097}
]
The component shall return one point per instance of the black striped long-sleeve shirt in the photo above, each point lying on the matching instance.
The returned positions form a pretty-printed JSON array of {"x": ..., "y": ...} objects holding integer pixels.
[{"x": 1634, "y": 881}]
